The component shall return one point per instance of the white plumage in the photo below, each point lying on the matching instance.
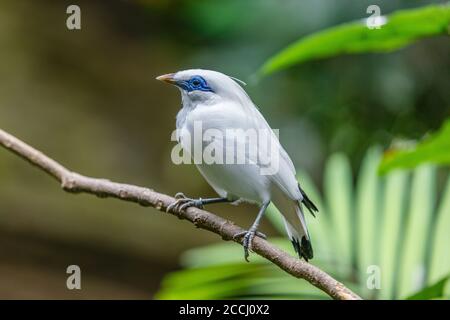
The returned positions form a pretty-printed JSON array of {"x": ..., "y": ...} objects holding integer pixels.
[{"x": 221, "y": 105}]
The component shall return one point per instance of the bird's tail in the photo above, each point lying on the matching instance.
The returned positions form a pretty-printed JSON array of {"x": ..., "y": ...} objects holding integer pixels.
[{"x": 299, "y": 236}]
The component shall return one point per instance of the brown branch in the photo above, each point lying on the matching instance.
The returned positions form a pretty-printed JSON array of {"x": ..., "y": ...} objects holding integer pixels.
[{"x": 74, "y": 182}]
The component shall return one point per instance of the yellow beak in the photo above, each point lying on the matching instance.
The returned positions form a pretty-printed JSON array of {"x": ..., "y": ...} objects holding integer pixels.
[{"x": 168, "y": 78}]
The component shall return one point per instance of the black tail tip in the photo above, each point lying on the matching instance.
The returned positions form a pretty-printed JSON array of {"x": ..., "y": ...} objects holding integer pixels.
[{"x": 303, "y": 248}]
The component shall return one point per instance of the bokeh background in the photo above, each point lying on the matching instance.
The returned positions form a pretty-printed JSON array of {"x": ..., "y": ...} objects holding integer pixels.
[{"x": 89, "y": 99}]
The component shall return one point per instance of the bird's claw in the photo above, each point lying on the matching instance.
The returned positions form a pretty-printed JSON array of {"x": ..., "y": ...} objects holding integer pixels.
[
  {"x": 191, "y": 203},
  {"x": 180, "y": 195},
  {"x": 243, "y": 233},
  {"x": 182, "y": 203},
  {"x": 248, "y": 239}
]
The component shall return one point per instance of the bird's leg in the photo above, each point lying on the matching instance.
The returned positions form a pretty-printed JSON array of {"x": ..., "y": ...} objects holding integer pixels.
[
  {"x": 182, "y": 202},
  {"x": 250, "y": 233}
]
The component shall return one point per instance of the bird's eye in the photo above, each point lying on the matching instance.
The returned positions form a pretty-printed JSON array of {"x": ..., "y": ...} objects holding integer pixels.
[{"x": 197, "y": 83}]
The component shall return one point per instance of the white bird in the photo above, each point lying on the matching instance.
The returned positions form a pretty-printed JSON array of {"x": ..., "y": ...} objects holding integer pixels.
[{"x": 218, "y": 102}]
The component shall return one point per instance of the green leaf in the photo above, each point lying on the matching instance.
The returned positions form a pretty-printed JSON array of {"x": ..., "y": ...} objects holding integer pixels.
[
  {"x": 437, "y": 290},
  {"x": 417, "y": 230},
  {"x": 241, "y": 280},
  {"x": 435, "y": 149},
  {"x": 401, "y": 29},
  {"x": 440, "y": 259},
  {"x": 388, "y": 233},
  {"x": 368, "y": 207},
  {"x": 338, "y": 192},
  {"x": 201, "y": 283}
]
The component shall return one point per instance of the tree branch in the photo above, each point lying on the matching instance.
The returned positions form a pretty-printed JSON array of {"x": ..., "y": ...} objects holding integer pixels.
[{"x": 75, "y": 183}]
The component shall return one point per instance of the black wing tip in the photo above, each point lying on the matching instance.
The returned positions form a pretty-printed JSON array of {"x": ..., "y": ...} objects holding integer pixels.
[
  {"x": 308, "y": 203},
  {"x": 303, "y": 248}
]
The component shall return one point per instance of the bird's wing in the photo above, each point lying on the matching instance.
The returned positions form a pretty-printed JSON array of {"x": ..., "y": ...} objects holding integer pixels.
[
  {"x": 285, "y": 176},
  {"x": 260, "y": 122}
]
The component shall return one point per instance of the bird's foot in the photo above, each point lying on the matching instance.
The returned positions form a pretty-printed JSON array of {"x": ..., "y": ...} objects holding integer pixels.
[
  {"x": 248, "y": 239},
  {"x": 182, "y": 203}
]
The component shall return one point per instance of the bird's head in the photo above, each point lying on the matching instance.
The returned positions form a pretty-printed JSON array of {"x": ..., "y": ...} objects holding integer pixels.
[{"x": 203, "y": 86}]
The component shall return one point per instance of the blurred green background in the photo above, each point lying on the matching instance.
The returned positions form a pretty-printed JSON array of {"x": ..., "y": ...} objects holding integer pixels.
[{"x": 88, "y": 98}]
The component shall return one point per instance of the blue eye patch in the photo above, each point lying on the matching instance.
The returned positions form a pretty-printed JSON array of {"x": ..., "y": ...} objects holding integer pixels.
[{"x": 195, "y": 83}]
